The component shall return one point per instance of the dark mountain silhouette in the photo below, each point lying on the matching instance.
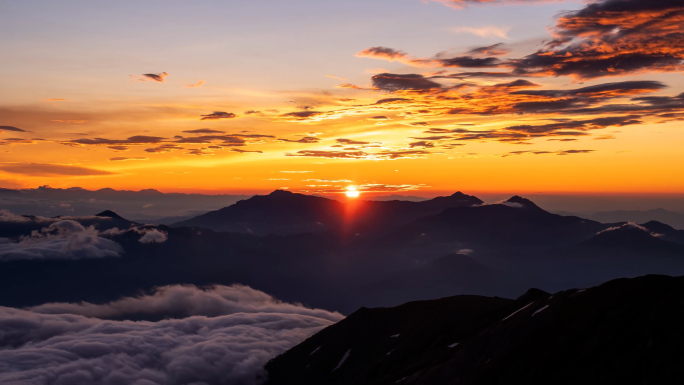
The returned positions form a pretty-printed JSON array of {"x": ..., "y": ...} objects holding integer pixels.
[
  {"x": 109, "y": 214},
  {"x": 516, "y": 225},
  {"x": 671, "y": 218},
  {"x": 283, "y": 212},
  {"x": 396, "y": 197},
  {"x": 630, "y": 239},
  {"x": 664, "y": 231},
  {"x": 627, "y": 331},
  {"x": 280, "y": 212}
]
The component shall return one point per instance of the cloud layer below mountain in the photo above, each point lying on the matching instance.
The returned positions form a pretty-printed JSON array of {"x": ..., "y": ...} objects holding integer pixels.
[{"x": 230, "y": 333}]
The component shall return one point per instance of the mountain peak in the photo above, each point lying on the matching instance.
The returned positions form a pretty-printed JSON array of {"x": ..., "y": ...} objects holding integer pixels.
[
  {"x": 109, "y": 214},
  {"x": 280, "y": 193},
  {"x": 518, "y": 201},
  {"x": 533, "y": 295}
]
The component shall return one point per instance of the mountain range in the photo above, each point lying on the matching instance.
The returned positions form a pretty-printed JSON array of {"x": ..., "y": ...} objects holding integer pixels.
[{"x": 330, "y": 254}]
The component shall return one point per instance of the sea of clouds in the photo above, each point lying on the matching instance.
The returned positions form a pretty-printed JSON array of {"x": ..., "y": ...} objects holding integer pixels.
[
  {"x": 67, "y": 238},
  {"x": 214, "y": 335}
]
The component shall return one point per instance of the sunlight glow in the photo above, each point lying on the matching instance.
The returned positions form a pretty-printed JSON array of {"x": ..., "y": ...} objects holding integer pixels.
[{"x": 352, "y": 192}]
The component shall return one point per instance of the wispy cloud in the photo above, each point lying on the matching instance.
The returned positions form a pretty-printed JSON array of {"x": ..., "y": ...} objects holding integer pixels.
[
  {"x": 196, "y": 85},
  {"x": 484, "y": 31},
  {"x": 50, "y": 170}
]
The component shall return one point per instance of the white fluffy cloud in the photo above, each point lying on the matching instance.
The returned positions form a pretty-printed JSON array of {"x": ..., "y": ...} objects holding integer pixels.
[
  {"x": 153, "y": 236},
  {"x": 232, "y": 333},
  {"x": 64, "y": 239}
]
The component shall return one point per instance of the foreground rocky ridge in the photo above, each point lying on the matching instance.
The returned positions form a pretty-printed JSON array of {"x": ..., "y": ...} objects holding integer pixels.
[{"x": 626, "y": 331}]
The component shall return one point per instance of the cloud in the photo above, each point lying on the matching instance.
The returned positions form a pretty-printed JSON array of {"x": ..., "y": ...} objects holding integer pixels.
[
  {"x": 629, "y": 225},
  {"x": 164, "y": 148},
  {"x": 386, "y": 53},
  {"x": 226, "y": 140},
  {"x": 392, "y": 100},
  {"x": 229, "y": 333},
  {"x": 218, "y": 115},
  {"x": 132, "y": 140},
  {"x": 69, "y": 121},
  {"x": 50, "y": 170},
  {"x": 490, "y": 50},
  {"x": 400, "y": 82},
  {"x": 301, "y": 115},
  {"x": 561, "y": 152},
  {"x": 204, "y": 131},
  {"x": 66, "y": 239},
  {"x": 336, "y": 77},
  {"x": 305, "y": 139},
  {"x": 459, "y": 4},
  {"x": 611, "y": 38},
  {"x": 160, "y": 77},
  {"x": 350, "y": 142},
  {"x": 241, "y": 151},
  {"x": 8, "y": 216},
  {"x": 12, "y": 128},
  {"x": 367, "y": 187},
  {"x": 391, "y": 54},
  {"x": 600, "y": 91},
  {"x": 358, "y": 154},
  {"x": 153, "y": 236},
  {"x": 123, "y": 158},
  {"x": 484, "y": 31},
  {"x": 196, "y": 85},
  {"x": 200, "y": 151},
  {"x": 331, "y": 154}
]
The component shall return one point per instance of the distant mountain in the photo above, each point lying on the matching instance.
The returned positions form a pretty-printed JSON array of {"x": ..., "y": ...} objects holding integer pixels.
[
  {"x": 283, "y": 212},
  {"x": 442, "y": 277},
  {"x": 151, "y": 204},
  {"x": 630, "y": 239},
  {"x": 280, "y": 212},
  {"x": 516, "y": 224},
  {"x": 671, "y": 218},
  {"x": 627, "y": 331},
  {"x": 395, "y": 197}
]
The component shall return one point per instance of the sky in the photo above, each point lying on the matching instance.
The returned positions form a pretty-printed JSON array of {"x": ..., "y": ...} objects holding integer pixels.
[{"x": 404, "y": 96}]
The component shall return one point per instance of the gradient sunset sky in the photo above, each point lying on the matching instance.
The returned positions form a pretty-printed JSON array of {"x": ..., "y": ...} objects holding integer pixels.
[{"x": 403, "y": 96}]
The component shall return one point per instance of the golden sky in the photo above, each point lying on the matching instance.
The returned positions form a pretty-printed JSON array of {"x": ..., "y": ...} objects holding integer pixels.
[{"x": 314, "y": 96}]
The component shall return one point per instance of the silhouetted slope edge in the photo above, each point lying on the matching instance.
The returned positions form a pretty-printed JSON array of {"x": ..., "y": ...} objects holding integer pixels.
[{"x": 626, "y": 331}]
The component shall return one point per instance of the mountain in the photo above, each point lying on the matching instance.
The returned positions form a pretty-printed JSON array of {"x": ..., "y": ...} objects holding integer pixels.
[
  {"x": 283, "y": 212},
  {"x": 149, "y": 204},
  {"x": 626, "y": 331},
  {"x": 328, "y": 254},
  {"x": 280, "y": 212},
  {"x": 514, "y": 225},
  {"x": 671, "y": 218},
  {"x": 442, "y": 277},
  {"x": 396, "y": 197},
  {"x": 630, "y": 239}
]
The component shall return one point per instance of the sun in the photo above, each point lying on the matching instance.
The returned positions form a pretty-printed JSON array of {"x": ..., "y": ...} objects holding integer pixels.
[{"x": 352, "y": 192}]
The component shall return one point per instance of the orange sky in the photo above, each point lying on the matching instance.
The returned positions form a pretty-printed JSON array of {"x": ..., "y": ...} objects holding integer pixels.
[{"x": 498, "y": 111}]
